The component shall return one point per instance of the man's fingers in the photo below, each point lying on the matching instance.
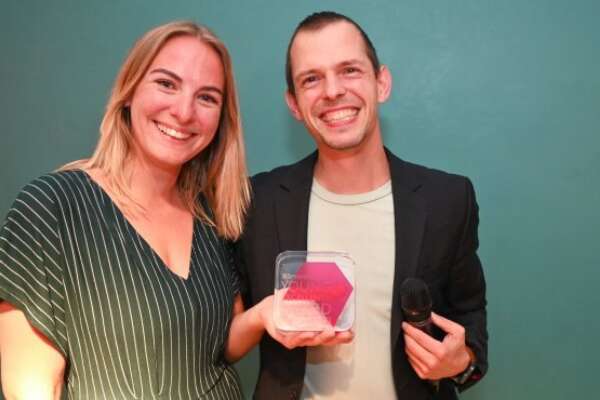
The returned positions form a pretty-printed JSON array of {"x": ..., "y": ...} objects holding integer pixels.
[
  {"x": 423, "y": 339},
  {"x": 418, "y": 352},
  {"x": 447, "y": 325},
  {"x": 418, "y": 366},
  {"x": 422, "y": 362}
]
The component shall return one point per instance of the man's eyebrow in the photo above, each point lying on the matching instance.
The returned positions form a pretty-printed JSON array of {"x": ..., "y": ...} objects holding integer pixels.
[
  {"x": 176, "y": 77},
  {"x": 354, "y": 61}
]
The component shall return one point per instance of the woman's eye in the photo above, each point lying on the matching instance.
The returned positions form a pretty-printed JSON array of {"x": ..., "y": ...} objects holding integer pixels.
[
  {"x": 207, "y": 98},
  {"x": 167, "y": 84}
]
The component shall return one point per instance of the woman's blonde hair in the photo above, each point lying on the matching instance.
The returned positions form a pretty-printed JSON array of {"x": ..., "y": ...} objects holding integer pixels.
[{"x": 218, "y": 172}]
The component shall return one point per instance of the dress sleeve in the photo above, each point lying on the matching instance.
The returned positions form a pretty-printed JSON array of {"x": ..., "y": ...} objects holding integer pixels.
[
  {"x": 236, "y": 282},
  {"x": 31, "y": 274}
]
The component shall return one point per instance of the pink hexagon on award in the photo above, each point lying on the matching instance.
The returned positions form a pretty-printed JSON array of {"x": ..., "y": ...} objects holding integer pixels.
[{"x": 323, "y": 283}]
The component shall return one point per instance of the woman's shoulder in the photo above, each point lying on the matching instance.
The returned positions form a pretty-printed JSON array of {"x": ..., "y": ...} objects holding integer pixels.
[
  {"x": 59, "y": 178},
  {"x": 52, "y": 188}
]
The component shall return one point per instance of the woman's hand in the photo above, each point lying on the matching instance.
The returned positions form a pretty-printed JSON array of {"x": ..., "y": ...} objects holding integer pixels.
[
  {"x": 289, "y": 339},
  {"x": 247, "y": 328}
]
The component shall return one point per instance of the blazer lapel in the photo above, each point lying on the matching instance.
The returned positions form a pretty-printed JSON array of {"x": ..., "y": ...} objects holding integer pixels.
[
  {"x": 410, "y": 216},
  {"x": 291, "y": 205}
]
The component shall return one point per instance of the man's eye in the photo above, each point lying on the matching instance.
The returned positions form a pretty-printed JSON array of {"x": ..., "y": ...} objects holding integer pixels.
[
  {"x": 350, "y": 70},
  {"x": 167, "y": 84},
  {"x": 309, "y": 80}
]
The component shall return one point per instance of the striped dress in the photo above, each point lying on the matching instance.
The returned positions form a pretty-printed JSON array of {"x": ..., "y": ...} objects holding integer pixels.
[{"x": 128, "y": 327}]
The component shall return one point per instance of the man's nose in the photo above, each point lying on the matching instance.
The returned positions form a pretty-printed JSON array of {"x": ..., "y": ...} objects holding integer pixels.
[{"x": 334, "y": 87}]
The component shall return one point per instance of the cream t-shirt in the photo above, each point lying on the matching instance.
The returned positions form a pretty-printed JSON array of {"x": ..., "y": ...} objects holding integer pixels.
[{"x": 363, "y": 226}]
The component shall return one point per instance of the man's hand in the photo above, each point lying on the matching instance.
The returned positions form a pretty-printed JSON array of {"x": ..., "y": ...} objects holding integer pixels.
[
  {"x": 290, "y": 340},
  {"x": 432, "y": 359}
]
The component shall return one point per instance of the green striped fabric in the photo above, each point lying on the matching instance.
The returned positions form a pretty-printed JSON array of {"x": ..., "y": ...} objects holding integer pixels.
[{"x": 128, "y": 326}]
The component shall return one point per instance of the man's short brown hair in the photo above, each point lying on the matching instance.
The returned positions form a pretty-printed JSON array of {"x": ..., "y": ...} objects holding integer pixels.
[{"x": 318, "y": 21}]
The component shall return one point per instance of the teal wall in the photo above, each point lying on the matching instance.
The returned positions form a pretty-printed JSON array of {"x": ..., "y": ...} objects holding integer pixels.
[{"x": 506, "y": 92}]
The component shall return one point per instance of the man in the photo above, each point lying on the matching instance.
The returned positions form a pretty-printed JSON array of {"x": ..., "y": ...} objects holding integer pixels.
[{"x": 396, "y": 219}]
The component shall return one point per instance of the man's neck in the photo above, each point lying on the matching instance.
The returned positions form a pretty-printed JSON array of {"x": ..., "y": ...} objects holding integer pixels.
[{"x": 352, "y": 171}]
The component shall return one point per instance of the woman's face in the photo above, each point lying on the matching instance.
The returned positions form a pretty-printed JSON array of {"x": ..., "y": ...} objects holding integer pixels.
[{"x": 176, "y": 107}]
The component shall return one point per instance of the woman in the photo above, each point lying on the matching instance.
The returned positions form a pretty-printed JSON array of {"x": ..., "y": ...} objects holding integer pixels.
[{"x": 115, "y": 277}]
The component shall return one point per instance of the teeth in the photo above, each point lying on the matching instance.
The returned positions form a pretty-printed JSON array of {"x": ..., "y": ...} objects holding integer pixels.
[
  {"x": 339, "y": 115},
  {"x": 172, "y": 132}
]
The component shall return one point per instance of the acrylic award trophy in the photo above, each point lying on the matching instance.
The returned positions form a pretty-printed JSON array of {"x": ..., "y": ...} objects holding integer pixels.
[{"x": 313, "y": 291}]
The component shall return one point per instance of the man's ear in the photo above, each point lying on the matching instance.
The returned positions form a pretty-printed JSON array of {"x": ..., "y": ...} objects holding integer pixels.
[
  {"x": 384, "y": 84},
  {"x": 290, "y": 100}
]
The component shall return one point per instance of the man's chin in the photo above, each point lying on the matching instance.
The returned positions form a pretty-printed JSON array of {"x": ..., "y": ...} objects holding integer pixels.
[{"x": 342, "y": 145}]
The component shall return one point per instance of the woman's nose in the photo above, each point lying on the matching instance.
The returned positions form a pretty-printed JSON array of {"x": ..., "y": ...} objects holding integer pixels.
[{"x": 182, "y": 109}]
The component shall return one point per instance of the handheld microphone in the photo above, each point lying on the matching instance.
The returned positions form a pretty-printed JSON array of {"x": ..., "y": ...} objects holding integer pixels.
[{"x": 415, "y": 301}]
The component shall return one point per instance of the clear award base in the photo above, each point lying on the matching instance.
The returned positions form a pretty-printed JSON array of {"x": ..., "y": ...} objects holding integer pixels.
[{"x": 314, "y": 291}]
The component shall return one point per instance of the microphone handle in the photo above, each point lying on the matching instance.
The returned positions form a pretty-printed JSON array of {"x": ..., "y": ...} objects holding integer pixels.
[{"x": 425, "y": 326}]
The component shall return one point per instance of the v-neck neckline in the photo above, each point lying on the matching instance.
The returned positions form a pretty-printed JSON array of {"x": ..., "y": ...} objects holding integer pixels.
[{"x": 113, "y": 205}]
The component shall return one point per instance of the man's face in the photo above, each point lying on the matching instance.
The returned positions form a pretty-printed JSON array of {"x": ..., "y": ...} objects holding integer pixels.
[{"x": 337, "y": 90}]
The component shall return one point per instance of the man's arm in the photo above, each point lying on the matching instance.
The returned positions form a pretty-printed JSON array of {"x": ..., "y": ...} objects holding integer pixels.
[
  {"x": 465, "y": 342},
  {"x": 466, "y": 292},
  {"x": 31, "y": 367}
]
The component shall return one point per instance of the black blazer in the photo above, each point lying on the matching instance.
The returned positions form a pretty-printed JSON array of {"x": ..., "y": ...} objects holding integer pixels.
[{"x": 436, "y": 219}]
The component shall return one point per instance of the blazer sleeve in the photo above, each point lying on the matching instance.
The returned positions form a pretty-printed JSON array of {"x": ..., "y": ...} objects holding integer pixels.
[{"x": 466, "y": 293}]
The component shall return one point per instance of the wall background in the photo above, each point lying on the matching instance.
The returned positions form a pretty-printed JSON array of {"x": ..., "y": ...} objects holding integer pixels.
[{"x": 507, "y": 93}]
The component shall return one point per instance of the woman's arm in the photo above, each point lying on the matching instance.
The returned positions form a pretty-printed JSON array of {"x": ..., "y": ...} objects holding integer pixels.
[
  {"x": 245, "y": 331},
  {"x": 31, "y": 367}
]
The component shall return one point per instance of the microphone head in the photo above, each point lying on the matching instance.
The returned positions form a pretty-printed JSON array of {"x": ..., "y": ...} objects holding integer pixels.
[{"x": 415, "y": 300}]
